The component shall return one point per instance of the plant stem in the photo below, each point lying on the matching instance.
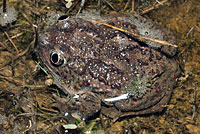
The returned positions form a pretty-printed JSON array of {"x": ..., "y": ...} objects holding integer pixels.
[{"x": 4, "y": 6}]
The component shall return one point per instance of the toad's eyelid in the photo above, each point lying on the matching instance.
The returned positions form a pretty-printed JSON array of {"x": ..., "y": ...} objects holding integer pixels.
[
  {"x": 60, "y": 53},
  {"x": 57, "y": 58}
]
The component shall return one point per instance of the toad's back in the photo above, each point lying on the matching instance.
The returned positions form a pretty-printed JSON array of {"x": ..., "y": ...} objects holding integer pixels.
[{"x": 89, "y": 57}]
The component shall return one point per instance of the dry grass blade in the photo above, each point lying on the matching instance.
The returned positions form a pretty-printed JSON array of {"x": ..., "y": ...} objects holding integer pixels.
[
  {"x": 126, "y": 6},
  {"x": 153, "y": 7},
  {"x": 194, "y": 101},
  {"x": 109, "y": 4},
  {"x": 5, "y": 47},
  {"x": 12, "y": 80},
  {"x": 11, "y": 41},
  {"x": 17, "y": 56},
  {"x": 140, "y": 37},
  {"x": 133, "y": 5}
]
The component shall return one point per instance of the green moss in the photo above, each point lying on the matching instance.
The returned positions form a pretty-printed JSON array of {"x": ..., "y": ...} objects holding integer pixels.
[{"x": 137, "y": 87}]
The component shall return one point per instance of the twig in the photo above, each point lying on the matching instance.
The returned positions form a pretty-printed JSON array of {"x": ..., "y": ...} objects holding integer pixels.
[
  {"x": 5, "y": 47},
  {"x": 153, "y": 7},
  {"x": 11, "y": 41},
  {"x": 17, "y": 56},
  {"x": 197, "y": 28},
  {"x": 4, "y": 6},
  {"x": 15, "y": 36},
  {"x": 133, "y": 5},
  {"x": 194, "y": 101},
  {"x": 72, "y": 7},
  {"x": 126, "y": 6},
  {"x": 81, "y": 7},
  {"x": 26, "y": 17},
  {"x": 109, "y": 4},
  {"x": 189, "y": 32},
  {"x": 12, "y": 79},
  {"x": 23, "y": 53},
  {"x": 140, "y": 37}
]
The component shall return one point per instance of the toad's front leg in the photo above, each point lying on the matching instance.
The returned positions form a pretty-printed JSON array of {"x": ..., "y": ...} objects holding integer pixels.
[{"x": 86, "y": 104}]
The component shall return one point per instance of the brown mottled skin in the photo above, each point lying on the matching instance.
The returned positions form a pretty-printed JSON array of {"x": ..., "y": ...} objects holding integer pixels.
[{"x": 97, "y": 62}]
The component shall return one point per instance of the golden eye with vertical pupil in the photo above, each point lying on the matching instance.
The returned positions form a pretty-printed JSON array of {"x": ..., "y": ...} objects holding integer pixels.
[{"x": 56, "y": 58}]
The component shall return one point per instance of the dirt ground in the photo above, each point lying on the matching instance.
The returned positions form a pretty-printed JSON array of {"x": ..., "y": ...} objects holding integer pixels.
[{"x": 26, "y": 100}]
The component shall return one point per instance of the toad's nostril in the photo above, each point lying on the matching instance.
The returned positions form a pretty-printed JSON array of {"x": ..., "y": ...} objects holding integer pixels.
[{"x": 63, "y": 17}]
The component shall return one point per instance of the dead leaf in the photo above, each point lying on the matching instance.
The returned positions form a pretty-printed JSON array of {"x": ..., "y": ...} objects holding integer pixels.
[{"x": 193, "y": 129}]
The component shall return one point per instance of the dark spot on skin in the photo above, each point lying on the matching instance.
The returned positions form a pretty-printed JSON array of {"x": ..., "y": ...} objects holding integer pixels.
[
  {"x": 133, "y": 26},
  {"x": 114, "y": 48},
  {"x": 126, "y": 24},
  {"x": 97, "y": 42},
  {"x": 127, "y": 60},
  {"x": 98, "y": 50},
  {"x": 90, "y": 45},
  {"x": 101, "y": 45},
  {"x": 80, "y": 47},
  {"x": 95, "y": 54},
  {"x": 117, "y": 56},
  {"x": 87, "y": 83},
  {"x": 150, "y": 59},
  {"x": 113, "y": 86},
  {"x": 118, "y": 85},
  {"x": 153, "y": 72},
  {"x": 128, "y": 47}
]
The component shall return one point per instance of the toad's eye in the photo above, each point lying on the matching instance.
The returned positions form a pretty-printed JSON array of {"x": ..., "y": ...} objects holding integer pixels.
[{"x": 56, "y": 58}]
